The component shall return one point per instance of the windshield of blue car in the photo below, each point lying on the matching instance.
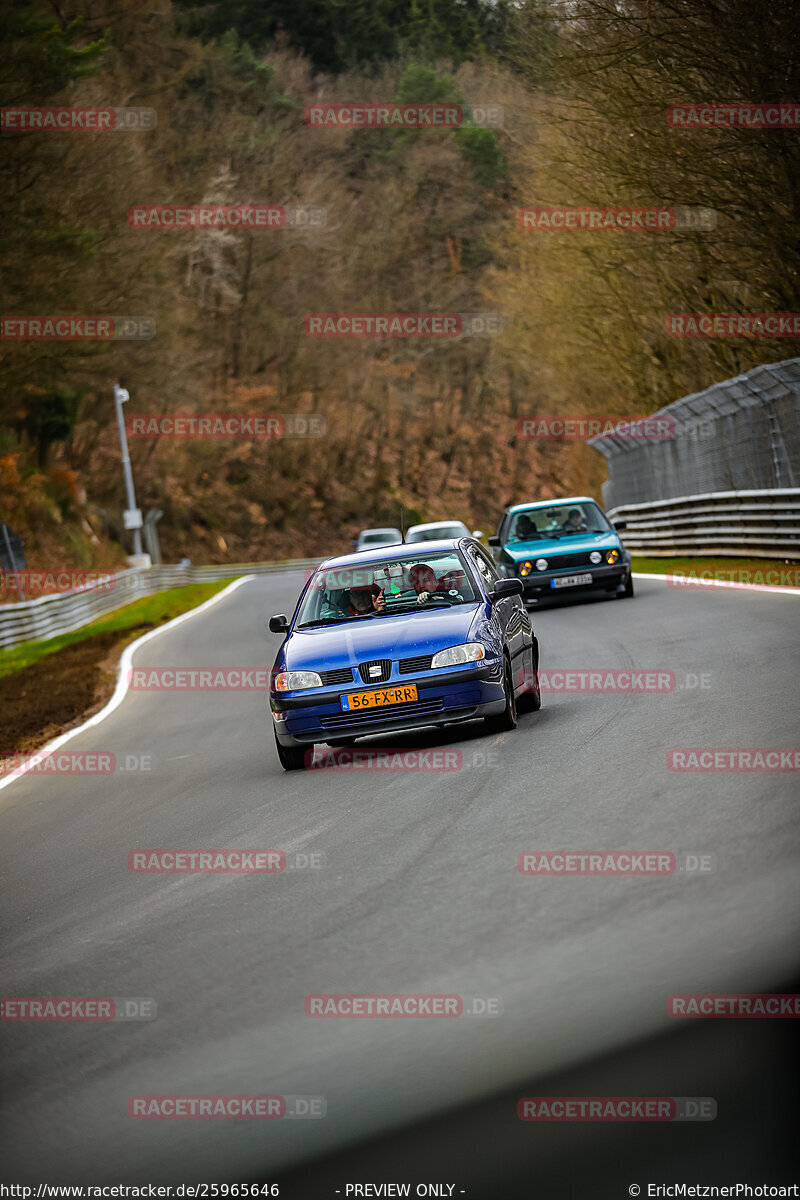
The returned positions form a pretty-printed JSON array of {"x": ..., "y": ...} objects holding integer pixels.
[
  {"x": 557, "y": 521},
  {"x": 386, "y": 587}
]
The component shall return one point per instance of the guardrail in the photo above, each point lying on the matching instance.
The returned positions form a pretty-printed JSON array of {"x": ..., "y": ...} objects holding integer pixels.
[
  {"x": 753, "y": 524},
  {"x": 63, "y": 612}
]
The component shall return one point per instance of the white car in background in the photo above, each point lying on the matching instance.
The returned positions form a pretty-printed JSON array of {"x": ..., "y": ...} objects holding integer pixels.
[
  {"x": 434, "y": 530},
  {"x": 368, "y": 539}
]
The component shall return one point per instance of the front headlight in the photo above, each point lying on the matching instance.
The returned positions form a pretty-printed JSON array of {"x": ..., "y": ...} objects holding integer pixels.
[
  {"x": 541, "y": 564},
  {"x": 595, "y": 557},
  {"x": 612, "y": 556},
  {"x": 295, "y": 681},
  {"x": 525, "y": 568},
  {"x": 453, "y": 656}
]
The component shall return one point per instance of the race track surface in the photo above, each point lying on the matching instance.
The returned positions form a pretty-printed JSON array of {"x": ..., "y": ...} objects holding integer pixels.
[{"x": 417, "y": 892}]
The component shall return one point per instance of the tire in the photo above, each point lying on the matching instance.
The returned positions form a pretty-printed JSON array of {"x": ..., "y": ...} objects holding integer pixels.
[
  {"x": 292, "y": 758},
  {"x": 531, "y": 701},
  {"x": 507, "y": 719},
  {"x": 627, "y": 593}
]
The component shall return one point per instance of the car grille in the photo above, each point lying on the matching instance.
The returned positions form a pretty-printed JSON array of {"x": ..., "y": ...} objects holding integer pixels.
[
  {"x": 366, "y": 716},
  {"x": 339, "y": 675},
  {"x": 385, "y": 666},
  {"x": 557, "y": 561},
  {"x": 408, "y": 666}
]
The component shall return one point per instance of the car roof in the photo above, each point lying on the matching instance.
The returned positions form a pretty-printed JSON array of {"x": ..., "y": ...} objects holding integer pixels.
[
  {"x": 403, "y": 550},
  {"x": 434, "y": 525},
  {"x": 548, "y": 503}
]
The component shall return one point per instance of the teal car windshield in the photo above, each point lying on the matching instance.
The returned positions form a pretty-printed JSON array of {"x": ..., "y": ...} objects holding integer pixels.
[
  {"x": 384, "y": 588},
  {"x": 557, "y": 521}
]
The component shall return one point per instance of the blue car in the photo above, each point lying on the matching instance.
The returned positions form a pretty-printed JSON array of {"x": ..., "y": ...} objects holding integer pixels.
[
  {"x": 397, "y": 638},
  {"x": 562, "y": 548}
]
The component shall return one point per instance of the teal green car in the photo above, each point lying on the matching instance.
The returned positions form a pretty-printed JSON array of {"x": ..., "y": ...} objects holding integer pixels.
[{"x": 562, "y": 548}]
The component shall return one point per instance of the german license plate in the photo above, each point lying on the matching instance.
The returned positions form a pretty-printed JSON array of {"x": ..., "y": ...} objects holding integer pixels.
[
  {"x": 570, "y": 581},
  {"x": 384, "y": 696}
]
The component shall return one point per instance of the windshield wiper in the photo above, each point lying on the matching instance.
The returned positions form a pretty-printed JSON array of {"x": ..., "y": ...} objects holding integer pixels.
[
  {"x": 324, "y": 621},
  {"x": 412, "y": 606}
]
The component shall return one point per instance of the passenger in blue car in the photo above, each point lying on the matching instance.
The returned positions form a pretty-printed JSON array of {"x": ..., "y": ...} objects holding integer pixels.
[{"x": 366, "y": 599}]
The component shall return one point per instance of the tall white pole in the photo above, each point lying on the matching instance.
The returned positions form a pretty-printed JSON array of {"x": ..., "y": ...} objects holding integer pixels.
[{"x": 120, "y": 396}]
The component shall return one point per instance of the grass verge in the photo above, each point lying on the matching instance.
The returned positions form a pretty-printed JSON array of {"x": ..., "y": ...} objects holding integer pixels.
[
  {"x": 738, "y": 570},
  {"x": 48, "y": 687}
]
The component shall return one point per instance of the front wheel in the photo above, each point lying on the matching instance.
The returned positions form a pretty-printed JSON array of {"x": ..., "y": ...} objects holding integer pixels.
[
  {"x": 627, "y": 591},
  {"x": 507, "y": 719},
  {"x": 292, "y": 758},
  {"x": 531, "y": 698}
]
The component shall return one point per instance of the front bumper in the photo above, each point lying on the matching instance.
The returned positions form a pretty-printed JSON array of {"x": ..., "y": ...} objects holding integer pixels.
[
  {"x": 605, "y": 578},
  {"x": 445, "y": 696}
]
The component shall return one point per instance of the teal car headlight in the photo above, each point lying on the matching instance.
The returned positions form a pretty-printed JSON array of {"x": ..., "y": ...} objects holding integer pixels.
[
  {"x": 295, "y": 681},
  {"x": 612, "y": 556},
  {"x": 541, "y": 564},
  {"x": 525, "y": 568},
  {"x": 595, "y": 557},
  {"x": 453, "y": 656}
]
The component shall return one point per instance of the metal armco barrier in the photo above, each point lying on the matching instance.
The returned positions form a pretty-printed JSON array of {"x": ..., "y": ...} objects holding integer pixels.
[
  {"x": 764, "y": 523},
  {"x": 62, "y": 612}
]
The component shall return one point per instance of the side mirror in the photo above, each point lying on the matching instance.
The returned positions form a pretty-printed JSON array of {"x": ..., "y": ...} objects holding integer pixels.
[
  {"x": 620, "y": 524},
  {"x": 278, "y": 624},
  {"x": 507, "y": 587},
  {"x": 493, "y": 540},
  {"x": 477, "y": 534}
]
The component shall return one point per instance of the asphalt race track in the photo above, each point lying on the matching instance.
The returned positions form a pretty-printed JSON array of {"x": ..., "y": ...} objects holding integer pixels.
[{"x": 417, "y": 891}]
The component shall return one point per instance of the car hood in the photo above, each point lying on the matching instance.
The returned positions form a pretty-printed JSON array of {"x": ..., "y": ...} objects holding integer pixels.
[
  {"x": 551, "y": 548},
  {"x": 402, "y": 636}
]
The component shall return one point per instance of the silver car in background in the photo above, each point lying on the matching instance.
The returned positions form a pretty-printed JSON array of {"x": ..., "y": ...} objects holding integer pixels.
[
  {"x": 368, "y": 539},
  {"x": 434, "y": 530}
]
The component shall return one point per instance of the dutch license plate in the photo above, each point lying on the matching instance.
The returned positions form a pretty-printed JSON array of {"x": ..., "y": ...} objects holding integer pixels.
[
  {"x": 378, "y": 699},
  {"x": 570, "y": 581}
]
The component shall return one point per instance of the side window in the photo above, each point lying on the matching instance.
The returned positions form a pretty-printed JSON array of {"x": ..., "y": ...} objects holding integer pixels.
[
  {"x": 494, "y": 574},
  {"x": 486, "y": 569}
]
